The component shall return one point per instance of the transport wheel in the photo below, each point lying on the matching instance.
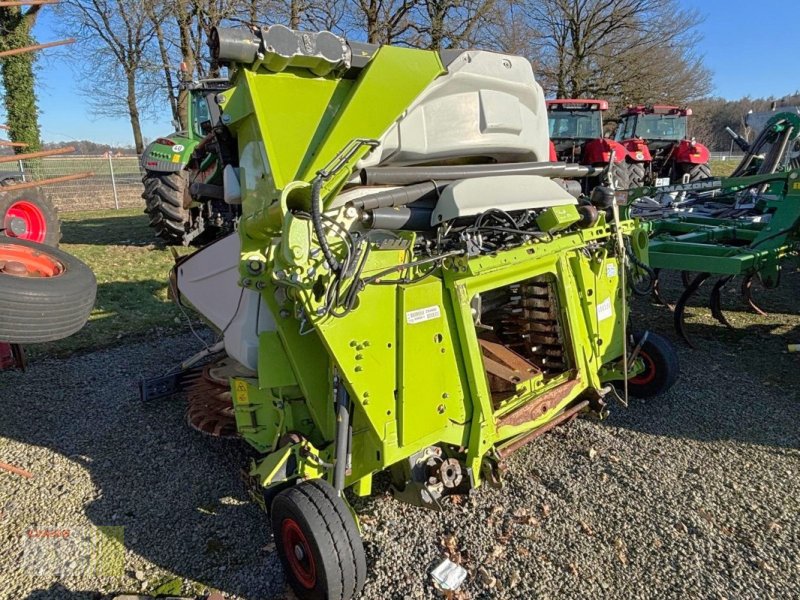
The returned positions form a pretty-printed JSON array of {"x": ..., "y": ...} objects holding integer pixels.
[
  {"x": 164, "y": 194},
  {"x": 696, "y": 172},
  {"x": 637, "y": 174},
  {"x": 661, "y": 368},
  {"x": 318, "y": 543},
  {"x": 45, "y": 294},
  {"x": 28, "y": 215}
]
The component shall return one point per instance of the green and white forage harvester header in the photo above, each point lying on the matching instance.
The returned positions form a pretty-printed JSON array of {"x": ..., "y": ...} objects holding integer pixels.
[{"x": 412, "y": 287}]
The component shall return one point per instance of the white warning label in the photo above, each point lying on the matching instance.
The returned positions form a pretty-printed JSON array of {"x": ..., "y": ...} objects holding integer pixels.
[
  {"x": 423, "y": 314},
  {"x": 604, "y": 310},
  {"x": 611, "y": 270}
]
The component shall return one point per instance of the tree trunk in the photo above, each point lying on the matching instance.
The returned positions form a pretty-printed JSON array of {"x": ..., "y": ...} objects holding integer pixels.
[
  {"x": 133, "y": 113},
  {"x": 19, "y": 80},
  {"x": 188, "y": 56}
]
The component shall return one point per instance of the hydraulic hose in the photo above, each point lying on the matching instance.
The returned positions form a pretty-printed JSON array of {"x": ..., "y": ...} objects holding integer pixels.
[
  {"x": 316, "y": 221},
  {"x": 651, "y": 274}
]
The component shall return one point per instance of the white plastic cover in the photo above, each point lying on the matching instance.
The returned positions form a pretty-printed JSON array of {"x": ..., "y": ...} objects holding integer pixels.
[{"x": 487, "y": 105}]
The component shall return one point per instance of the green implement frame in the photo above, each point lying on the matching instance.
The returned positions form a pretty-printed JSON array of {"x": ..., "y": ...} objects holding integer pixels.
[{"x": 728, "y": 248}]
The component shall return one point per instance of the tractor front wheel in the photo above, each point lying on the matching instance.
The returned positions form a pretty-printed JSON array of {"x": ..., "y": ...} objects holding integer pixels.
[
  {"x": 695, "y": 172},
  {"x": 318, "y": 542},
  {"x": 661, "y": 368},
  {"x": 164, "y": 194}
]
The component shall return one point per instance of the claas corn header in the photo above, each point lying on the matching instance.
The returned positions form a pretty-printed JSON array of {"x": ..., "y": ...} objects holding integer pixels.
[{"x": 412, "y": 288}]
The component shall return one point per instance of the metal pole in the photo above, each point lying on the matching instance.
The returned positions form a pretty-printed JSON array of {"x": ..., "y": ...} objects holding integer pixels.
[
  {"x": 113, "y": 181},
  {"x": 21, "y": 169}
]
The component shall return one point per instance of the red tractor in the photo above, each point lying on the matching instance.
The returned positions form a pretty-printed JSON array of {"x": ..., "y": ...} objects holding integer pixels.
[
  {"x": 576, "y": 136},
  {"x": 659, "y": 150}
]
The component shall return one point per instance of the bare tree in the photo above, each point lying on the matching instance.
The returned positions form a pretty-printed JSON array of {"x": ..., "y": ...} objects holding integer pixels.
[
  {"x": 114, "y": 38},
  {"x": 621, "y": 50}
]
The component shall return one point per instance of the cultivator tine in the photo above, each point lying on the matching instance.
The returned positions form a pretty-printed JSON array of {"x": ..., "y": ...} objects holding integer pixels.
[
  {"x": 680, "y": 307},
  {"x": 657, "y": 290},
  {"x": 747, "y": 293},
  {"x": 716, "y": 301},
  {"x": 686, "y": 278}
]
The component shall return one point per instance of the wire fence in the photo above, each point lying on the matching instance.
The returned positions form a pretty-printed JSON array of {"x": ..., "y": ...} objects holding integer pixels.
[{"x": 115, "y": 183}]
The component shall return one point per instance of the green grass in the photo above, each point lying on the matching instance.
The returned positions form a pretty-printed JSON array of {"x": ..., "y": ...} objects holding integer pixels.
[
  {"x": 132, "y": 280},
  {"x": 722, "y": 168}
]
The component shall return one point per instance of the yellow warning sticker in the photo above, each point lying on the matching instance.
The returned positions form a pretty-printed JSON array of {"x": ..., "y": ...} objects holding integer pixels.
[
  {"x": 241, "y": 392},
  {"x": 796, "y": 185},
  {"x": 176, "y": 158}
]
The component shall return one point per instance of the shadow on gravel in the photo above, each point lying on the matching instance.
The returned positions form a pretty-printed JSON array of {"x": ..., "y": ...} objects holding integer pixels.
[
  {"x": 59, "y": 592},
  {"x": 178, "y": 494}
]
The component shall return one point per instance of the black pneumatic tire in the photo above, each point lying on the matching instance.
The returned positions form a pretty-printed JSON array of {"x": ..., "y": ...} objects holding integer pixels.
[
  {"x": 637, "y": 174},
  {"x": 331, "y": 564},
  {"x": 622, "y": 176},
  {"x": 696, "y": 172},
  {"x": 661, "y": 367},
  {"x": 45, "y": 309},
  {"x": 164, "y": 194}
]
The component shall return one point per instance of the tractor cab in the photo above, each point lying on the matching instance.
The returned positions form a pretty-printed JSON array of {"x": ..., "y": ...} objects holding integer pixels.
[
  {"x": 658, "y": 126},
  {"x": 658, "y": 146},
  {"x": 572, "y": 123}
]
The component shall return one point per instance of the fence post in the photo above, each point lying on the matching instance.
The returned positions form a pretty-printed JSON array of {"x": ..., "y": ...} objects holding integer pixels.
[
  {"x": 113, "y": 181},
  {"x": 21, "y": 169}
]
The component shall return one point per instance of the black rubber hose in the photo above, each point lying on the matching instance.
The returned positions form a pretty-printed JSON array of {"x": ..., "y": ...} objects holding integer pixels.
[
  {"x": 400, "y": 196},
  {"x": 316, "y": 220},
  {"x": 651, "y": 274}
]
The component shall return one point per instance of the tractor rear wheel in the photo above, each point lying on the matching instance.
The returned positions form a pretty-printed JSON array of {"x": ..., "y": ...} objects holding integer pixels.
[
  {"x": 45, "y": 294},
  {"x": 28, "y": 215},
  {"x": 621, "y": 173},
  {"x": 695, "y": 172},
  {"x": 661, "y": 368},
  {"x": 164, "y": 194},
  {"x": 637, "y": 174},
  {"x": 318, "y": 543}
]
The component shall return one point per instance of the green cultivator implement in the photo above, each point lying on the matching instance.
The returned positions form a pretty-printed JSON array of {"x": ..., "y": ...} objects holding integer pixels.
[
  {"x": 762, "y": 202},
  {"x": 411, "y": 288}
]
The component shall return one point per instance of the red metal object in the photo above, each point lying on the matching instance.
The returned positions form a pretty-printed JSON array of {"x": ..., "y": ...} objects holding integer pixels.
[
  {"x": 12, "y": 356},
  {"x": 649, "y": 373},
  {"x": 22, "y": 261},
  {"x": 657, "y": 109},
  {"x": 577, "y": 103},
  {"x": 637, "y": 150},
  {"x": 510, "y": 448},
  {"x": 32, "y": 155},
  {"x": 691, "y": 152},
  {"x": 15, "y": 470},
  {"x": 33, "y": 219},
  {"x": 599, "y": 152},
  {"x": 298, "y": 552},
  {"x": 35, "y": 47}
]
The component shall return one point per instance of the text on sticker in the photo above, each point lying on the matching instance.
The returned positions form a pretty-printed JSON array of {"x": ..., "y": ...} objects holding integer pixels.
[{"x": 423, "y": 314}]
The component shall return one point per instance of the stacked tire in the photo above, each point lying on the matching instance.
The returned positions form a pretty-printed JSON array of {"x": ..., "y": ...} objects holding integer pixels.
[{"x": 28, "y": 214}]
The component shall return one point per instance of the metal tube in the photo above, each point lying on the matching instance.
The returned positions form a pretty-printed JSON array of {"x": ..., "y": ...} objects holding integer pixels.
[
  {"x": 400, "y": 196},
  {"x": 409, "y": 175},
  {"x": 32, "y": 155},
  {"x": 342, "y": 435},
  {"x": 36, "y": 47},
  {"x": 398, "y": 217},
  {"x": 113, "y": 181}
]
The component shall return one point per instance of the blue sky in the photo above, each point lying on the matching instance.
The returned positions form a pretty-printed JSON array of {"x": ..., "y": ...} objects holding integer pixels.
[{"x": 745, "y": 44}]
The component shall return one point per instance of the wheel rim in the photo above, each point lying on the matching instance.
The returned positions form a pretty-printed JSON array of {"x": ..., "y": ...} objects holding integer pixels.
[
  {"x": 298, "y": 553},
  {"x": 27, "y": 214},
  {"x": 17, "y": 260},
  {"x": 649, "y": 373}
]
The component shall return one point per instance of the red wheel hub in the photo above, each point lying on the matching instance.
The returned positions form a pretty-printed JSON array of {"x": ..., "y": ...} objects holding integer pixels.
[
  {"x": 298, "y": 553},
  {"x": 649, "y": 373},
  {"x": 21, "y": 261},
  {"x": 27, "y": 219}
]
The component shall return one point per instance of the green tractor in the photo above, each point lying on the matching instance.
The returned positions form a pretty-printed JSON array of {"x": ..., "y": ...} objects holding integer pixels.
[
  {"x": 183, "y": 175},
  {"x": 412, "y": 287}
]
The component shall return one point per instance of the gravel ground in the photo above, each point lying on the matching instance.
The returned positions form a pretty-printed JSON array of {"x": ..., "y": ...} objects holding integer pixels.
[{"x": 693, "y": 494}]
